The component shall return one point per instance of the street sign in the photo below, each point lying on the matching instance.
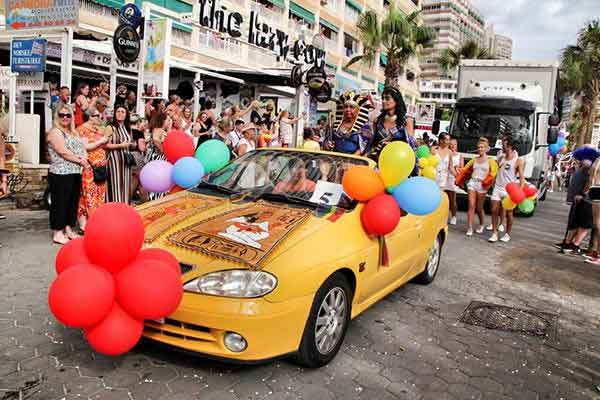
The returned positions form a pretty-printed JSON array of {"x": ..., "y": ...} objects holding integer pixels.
[
  {"x": 26, "y": 81},
  {"x": 45, "y": 14},
  {"x": 28, "y": 55},
  {"x": 126, "y": 43},
  {"x": 131, "y": 15}
]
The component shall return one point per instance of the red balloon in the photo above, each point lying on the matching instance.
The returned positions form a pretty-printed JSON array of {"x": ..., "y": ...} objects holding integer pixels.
[
  {"x": 160, "y": 255},
  {"x": 116, "y": 334},
  {"x": 516, "y": 195},
  {"x": 72, "y": 253},
  {"x": 380, "y": 215},
  {"x": 82, "y": 295},
  {"x": 176, "y": 189},
  {"x": 149, "y": 289},
  {"x": 114, "y": 236},
  {"x": 512, "y": 187},
  {"x": 178, "y": 144},
  {"x": 529, "y": 190}
]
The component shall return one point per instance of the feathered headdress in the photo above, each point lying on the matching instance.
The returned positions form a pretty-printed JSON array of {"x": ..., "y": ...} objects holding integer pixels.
[{"x": 359, "y": 101}]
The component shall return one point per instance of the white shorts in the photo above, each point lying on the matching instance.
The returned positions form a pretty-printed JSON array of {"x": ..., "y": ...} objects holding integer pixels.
[
  {"x": 475, "y": 186},
  {"x": 450, "y": 185},
  {"x": 499, "y": 193}
]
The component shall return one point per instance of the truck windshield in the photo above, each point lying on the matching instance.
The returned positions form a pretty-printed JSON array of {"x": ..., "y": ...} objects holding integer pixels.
[{"x": 469, "y": 124}]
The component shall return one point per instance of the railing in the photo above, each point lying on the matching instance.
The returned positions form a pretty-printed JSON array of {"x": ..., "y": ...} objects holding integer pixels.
[
  {"x": 239, "y": 3},
  {"x": 269, "y": 15},
  {"x": 221, "y": 47},
  {"x": 101, "y": 15},
  {"x": 181, "y": 38}
]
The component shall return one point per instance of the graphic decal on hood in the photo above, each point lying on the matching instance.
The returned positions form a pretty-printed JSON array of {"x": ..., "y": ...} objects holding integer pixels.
[
  {"x": 246, "y": 235},
  {"x": 158, "y": 217}
]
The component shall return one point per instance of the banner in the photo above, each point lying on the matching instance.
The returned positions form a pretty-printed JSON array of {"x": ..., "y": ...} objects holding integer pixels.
[
  {"x": 22, "y": 14},
  {"x": 28, "y": 55},
  {"x": 26, "y": 81},
  {"x": 156, "y": 49}
]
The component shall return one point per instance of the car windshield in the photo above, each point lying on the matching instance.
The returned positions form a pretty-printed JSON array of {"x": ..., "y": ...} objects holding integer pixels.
[
  {"x": 469, "y": 124},
  {"x": 293, "y": 177}
]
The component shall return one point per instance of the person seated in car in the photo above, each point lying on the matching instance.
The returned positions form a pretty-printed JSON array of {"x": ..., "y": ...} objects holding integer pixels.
[{"x": 297, "y": 182}]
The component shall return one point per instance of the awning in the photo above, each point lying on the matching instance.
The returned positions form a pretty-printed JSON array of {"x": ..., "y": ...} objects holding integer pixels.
[
  {"x": 277, "y": 3},
  {"x": 383, "y": 59},
  {"x": 111, "y": 3},
  {"x": 328, "y": 24},
  {"x": 173, "y": 5},
  {"x": 263, "y": 77},
  {"x": 302, "y": 12},
  {"x": 354, "y": 5},
  {"x": 181, "y": 64}
]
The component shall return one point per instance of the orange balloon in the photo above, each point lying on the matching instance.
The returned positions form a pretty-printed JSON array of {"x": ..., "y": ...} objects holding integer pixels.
[
  {"x": 362, "y": 183},
  {"x": 176, "y": 189}
]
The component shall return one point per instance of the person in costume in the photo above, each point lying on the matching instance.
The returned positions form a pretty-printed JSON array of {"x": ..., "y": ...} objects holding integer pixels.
[
  {"x": 479, "y": 173},
  {"x": 352, "y": 114},
  {"x": 390, "y": 125}
]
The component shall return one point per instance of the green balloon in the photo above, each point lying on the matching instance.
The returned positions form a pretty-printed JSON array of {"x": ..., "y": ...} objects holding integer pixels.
[
  {"x": 213, "y": 154},
  {"x": 423, "y": 151},
  {"x": 527, "y": 206}
]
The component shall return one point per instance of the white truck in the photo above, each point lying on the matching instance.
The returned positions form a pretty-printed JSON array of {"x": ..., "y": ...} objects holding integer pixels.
[{"x": 503, "y": 97}]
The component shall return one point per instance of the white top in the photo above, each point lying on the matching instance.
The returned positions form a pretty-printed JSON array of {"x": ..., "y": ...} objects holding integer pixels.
[
  {"x": 480, "y": 170},
  {"x": 507, "y": 171},
  {"x": 234, "y": 138},
  {"x": 443, "y": 170},
  {"x": 285, "y": 131},
  {"x": 249, "y": 145}
]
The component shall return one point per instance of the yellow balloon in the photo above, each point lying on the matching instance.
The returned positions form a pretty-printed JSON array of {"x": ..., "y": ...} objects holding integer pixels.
[
  {"x": 423, "y": 163},
  {"x": 429, "y": 172},
  {"x": 433, "y": 161},
  {"x": 396, "y": 162},
  {"x": 508, "y": 204},
  {"x": 532, "y": 198}
]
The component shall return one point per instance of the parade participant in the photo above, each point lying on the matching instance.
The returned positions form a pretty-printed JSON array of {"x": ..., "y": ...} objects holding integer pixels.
[
  {"x": 352, "y": 113},
  {"x": 510, "y": 166},
  {"x": 456, "y": 163},
  {"x": 120, "y": 159},
  {"x": 311, "y": 140},
  {"x": 67, "y": 157},
  {"x": 236, "y": 134},
  {"x": 81, "y": 103},
  {"x": 592, "y": 191},
  {"x": 297, "y": 181},
  {"x": 480, "y": 173},
  {"x": 264, "y": 135},
  {"x": 286, "y": 127},
  {"x": 93, "y": 181},
  {"x": 247, "y": 142},
  {"x": 390, "y": 125},
  {"x": 158, "y": 126},
  {"x": 443, "y": 154}
]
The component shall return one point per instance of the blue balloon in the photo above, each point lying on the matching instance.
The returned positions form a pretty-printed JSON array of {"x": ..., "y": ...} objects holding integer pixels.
[
  {"x": 554, "y": 148},
  {"x": 187, "y": 172},
  {"x": 418, "y": 195},
  {"x": 561, "y": 141}
]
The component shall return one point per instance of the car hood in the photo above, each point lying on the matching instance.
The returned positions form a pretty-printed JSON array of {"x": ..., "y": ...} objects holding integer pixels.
[{"x": 210, "y": 233}]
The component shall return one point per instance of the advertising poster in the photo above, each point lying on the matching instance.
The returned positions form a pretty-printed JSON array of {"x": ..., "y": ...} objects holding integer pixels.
[
  {"x": 21, "y": 14},
  {"x": 425, "y": 113},
  {"x": 28, "y": 55},
  {"x": 155, "y": 74}
]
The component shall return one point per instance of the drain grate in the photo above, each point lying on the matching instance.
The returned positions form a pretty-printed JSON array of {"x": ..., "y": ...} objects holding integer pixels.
[{"x": 528, "y": 322}]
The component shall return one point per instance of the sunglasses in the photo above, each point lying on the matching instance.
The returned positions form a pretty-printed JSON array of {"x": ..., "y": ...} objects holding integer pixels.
[
  {"x": 61, "y": 115},
  {"x": 95, "y": 116}
]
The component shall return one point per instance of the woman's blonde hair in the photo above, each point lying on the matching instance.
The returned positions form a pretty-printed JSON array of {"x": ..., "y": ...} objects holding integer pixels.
[
  {"x": 56, "y": 123},
  {"x": 484, "y": 140}
]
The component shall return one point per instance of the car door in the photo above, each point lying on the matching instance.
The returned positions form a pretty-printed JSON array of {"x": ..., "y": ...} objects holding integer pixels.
[{"x": 403, "y": 249}]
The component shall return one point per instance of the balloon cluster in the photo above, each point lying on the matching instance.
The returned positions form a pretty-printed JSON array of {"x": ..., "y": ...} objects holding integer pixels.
[
  {"x": 184, "y": 168},
  {"x": 524, "y": 198},
  {"x": 560, "y": 146},
  {"x": 415, "y": 195},
  {"x": 108, "y": 287},
  {"x": 427, "y": 162}
]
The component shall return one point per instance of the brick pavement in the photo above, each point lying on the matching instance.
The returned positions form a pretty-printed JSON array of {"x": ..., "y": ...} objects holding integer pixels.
[{"x": 408, "y": 346}]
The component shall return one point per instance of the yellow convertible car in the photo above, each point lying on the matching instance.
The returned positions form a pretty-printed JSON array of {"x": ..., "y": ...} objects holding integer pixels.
[{"x": 275, "y": 261}]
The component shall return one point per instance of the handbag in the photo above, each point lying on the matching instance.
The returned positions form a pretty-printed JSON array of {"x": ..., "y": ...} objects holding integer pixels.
[
  {"x": 129, "y": 159},
  {"x": 100, "y": 173}
]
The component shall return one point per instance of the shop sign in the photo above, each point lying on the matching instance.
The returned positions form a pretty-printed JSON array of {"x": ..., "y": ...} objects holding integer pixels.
[
  {"x": 126, "y": 43},
  {"x": 155, "y": 75},
  {"x": 41, "y": 14},
  {"x": 91, "y": 57},
  {"x": 130, "y": 14},
  {"x": 26, "y": 81},
  {"x": 217, "y": 17},
  {"x": 28, "y": 55}
]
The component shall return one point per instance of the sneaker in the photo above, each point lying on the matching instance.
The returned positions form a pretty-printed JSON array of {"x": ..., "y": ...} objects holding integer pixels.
[
  {"x": 490, "y": 227},
  {"x": 567, "y": 248},
  {"x": 590, "y": 254},
  {"x": 493, "y": 238},
  {"x": 2, "y": 216},
  {"x": 559, "y": 245},
  {"x": 453, "y": 221},
  {"x": 470, "y": 232},
  {"x": 500, "y": 228},
  {"x": 595, "y": 261},
  {"x": 505, "y": 238},
  {"x": 480, "y": 230}
]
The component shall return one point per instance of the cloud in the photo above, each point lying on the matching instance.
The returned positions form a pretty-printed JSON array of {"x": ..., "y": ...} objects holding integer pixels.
[{"x": 539, "y": 29}]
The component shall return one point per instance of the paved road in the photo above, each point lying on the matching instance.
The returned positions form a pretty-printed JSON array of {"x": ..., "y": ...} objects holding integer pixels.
[{"x": 409, "y": 346}]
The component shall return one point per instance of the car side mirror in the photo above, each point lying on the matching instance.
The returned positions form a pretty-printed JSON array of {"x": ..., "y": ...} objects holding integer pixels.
[
  {"x": 552, "y": 134},
  {"x": 554, "y": 120}
]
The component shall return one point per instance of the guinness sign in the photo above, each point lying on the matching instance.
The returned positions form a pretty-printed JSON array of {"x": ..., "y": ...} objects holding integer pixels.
[{"x": 126, "y": 43}]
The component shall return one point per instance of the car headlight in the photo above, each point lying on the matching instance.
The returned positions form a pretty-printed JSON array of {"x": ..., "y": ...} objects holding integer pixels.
[{"x": 233, "y": 283}]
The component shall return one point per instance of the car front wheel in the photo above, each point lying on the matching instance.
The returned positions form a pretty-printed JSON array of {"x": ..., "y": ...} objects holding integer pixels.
[
  {"x": 433, "y": 263},
  {"x": 327, "y": 323}
]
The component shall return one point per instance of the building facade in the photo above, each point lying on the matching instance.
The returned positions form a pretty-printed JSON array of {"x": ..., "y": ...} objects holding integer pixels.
[
  {"x": 503, "y": 47},
  {"x": 455, "y": 22},
  {"x": 439, "y": 91}
]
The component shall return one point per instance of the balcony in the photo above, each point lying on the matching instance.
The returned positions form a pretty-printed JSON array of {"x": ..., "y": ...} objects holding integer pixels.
[
  {"x": 219, "y": 47},
  {"x": 331, "y": 46},
  {"x": 272, "y": 16},
  {"x": 334, "y": 6},
  {"x": 98, "y": 15}
]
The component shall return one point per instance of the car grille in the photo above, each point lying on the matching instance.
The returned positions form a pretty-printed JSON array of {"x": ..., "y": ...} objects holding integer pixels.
[
  {"x": 185, "y": 268},
  {"x": 179, "y": 330}
]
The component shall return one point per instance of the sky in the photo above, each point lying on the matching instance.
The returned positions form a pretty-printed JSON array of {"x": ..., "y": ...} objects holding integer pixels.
[{"x": 540, "y": 29}]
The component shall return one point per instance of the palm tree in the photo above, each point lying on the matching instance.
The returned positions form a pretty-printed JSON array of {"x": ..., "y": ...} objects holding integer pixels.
[
  {"x": 470, "y": 50},
  {"x": 581, "y": 76},
  {"x": 398, "y": 35}
]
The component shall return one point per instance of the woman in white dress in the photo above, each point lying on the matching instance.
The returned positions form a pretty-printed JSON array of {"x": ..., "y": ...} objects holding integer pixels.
[{"x": 455, "y": 165}]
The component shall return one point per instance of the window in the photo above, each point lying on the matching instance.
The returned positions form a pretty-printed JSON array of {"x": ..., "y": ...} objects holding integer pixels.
[
  {"x": 351, "y": 14},
  {"x": 328, "y": 33},
  {"x": 437, "y": 86},
  {"x": 350, "y": 45}
]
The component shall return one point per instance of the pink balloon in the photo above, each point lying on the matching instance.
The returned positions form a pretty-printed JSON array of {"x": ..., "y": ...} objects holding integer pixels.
[{"x": 157, "y": 176}]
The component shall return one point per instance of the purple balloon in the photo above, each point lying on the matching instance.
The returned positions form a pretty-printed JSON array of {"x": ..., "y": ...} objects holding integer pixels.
[{"x": 157, "y": 176}]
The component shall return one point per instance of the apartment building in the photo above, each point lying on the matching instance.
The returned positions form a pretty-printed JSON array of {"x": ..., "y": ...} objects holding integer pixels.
[{"x": 503, "y": 47}]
